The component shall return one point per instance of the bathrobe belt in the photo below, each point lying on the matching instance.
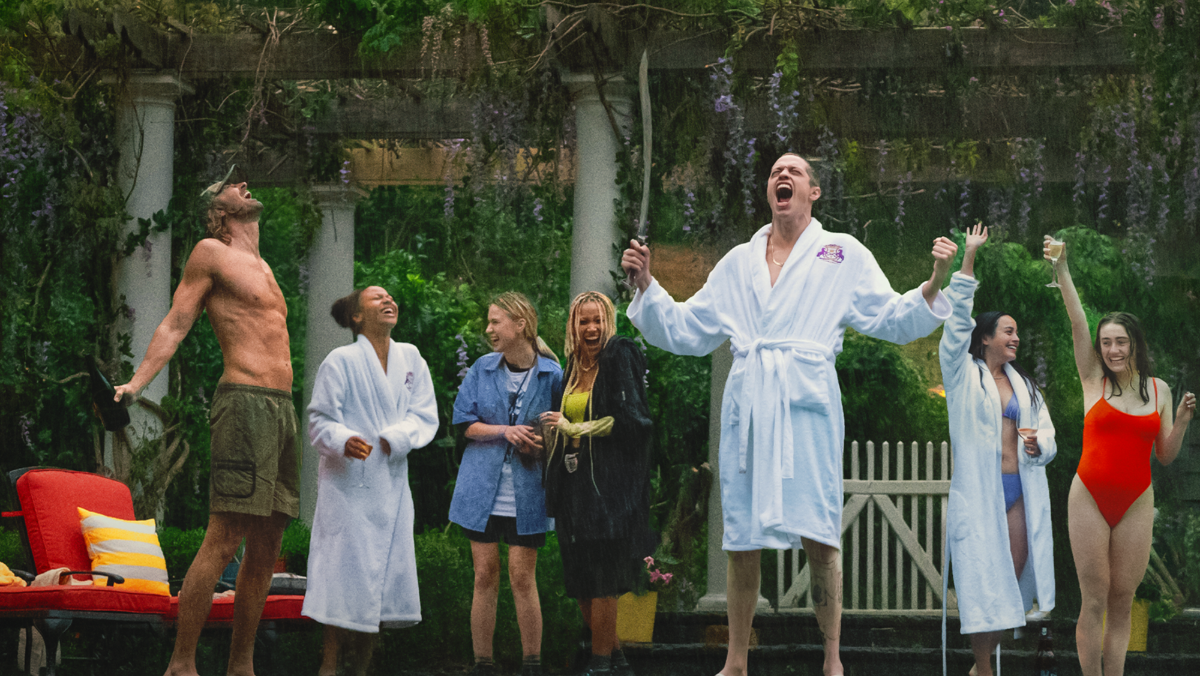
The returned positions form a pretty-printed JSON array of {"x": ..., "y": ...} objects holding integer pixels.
[{"x": 769, "y": 390}]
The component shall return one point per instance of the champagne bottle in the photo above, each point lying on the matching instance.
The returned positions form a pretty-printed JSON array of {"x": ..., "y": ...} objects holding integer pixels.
[
  {"x": 1043, "y": 663},
  {"x": 112, "y": 413}
]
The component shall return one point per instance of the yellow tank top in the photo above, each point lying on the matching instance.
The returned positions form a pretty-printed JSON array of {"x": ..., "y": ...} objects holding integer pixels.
[{"x": 575, "y": 406}]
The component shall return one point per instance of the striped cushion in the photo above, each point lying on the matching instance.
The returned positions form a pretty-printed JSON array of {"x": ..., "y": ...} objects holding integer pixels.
[{"x": 127, "y": 548}]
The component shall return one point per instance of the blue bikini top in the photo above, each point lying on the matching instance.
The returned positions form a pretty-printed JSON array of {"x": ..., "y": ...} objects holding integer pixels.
[{"x": 1012, "y": 410}]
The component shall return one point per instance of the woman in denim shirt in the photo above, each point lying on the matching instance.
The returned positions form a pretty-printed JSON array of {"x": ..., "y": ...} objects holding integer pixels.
[{"x": 499, "y": 493}]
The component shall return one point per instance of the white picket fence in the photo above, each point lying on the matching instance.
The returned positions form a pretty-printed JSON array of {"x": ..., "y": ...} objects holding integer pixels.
[{"x": 893, "y": 533}]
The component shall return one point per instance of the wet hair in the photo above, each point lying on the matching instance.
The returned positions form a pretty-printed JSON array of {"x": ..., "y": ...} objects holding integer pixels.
[
  {"x": 215, "y": 221},
  {"x": 1141, "y": 353},
  {"x": 217, "y": 216},
  {"x": 518, "y": 307},
  {"x": 608, "y": 328},
  {"x": 986, "y": 324},
  {"x": 813, "y": 179},
  {"x": 345, "y": 308}
]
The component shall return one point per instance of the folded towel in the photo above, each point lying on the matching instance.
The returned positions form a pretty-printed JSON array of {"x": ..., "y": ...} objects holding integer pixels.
[{"x": 37, "y": 658}]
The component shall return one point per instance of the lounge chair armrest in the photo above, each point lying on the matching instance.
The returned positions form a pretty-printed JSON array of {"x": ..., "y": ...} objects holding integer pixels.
[{"x": 113, "y": 578}]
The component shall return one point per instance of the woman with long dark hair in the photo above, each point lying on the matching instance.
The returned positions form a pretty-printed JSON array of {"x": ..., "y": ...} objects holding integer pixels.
[
  {"x": 499, "y": 494},
  {"x": 1110, "y": 509},
  {"x": 998, "y": 522},
  {"x": 598, "y": 473},
  {"x": 372, "y": 403}
]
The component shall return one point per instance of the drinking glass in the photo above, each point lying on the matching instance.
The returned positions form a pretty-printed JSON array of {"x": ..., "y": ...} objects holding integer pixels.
[
  {"x": 362, "y": 473},
  {"x": 1027, "y": 418},
  {"x": 362, "y": 469},
  {"x": 1055, "y": 248}
]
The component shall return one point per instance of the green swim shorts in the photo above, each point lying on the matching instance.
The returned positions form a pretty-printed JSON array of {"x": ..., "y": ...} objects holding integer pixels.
[{"x": 255, "y": 464}]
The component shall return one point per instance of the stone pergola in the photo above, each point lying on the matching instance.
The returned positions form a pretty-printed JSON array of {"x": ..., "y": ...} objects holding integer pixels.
[{"x": 164, "y": 66}]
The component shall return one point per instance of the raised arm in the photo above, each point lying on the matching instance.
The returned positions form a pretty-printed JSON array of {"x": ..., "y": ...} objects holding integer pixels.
[
  {"x": 636, "y": 261},
  {"x": 693, "y": 327},
  {"x": 943, "y": 255},
  {"x": 1173, "y": 427},
  {"x": 976, "y": 237},
  {"x": 186, "y": 306},
  {"x": 1086, "y": 361},
  {"x": 878, "y": 311},
  {"x": 956, "y": 335}
]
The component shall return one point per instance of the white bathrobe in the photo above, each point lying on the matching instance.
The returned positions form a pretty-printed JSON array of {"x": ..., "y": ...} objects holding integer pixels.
[
  {"x": 362, "y": 569},
  {"x": 781, "y": 417},
  {"x": 990, "y": 597}
]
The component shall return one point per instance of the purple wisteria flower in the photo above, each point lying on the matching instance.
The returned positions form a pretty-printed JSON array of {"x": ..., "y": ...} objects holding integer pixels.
[
  {"x": 964, "y": 200},
  {"x": 463, "y": 368},
  {"x": 452, "y": 150},
  {"x": 689, "y": 209},
  {"x": 901, "y": 195},
  {"x": 1191, "y": 176},
  {"x": 1077, "y": 192},
  {"x": 740, "y": 153},
  {"x": 784, "y": 107}
]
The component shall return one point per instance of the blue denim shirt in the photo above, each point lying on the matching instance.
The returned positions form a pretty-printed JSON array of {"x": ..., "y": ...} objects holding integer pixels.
[{"x": 483, "y": 398}]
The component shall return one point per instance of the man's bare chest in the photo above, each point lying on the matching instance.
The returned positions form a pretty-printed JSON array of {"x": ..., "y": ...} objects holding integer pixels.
[{"x": 248, "y": 284}]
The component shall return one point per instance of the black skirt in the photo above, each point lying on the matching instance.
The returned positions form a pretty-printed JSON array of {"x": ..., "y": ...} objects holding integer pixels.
[{"x": 594, "y": 569}]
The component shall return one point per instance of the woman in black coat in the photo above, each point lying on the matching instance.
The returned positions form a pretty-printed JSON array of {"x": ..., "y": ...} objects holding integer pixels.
[{"x": 598, "y": 471}]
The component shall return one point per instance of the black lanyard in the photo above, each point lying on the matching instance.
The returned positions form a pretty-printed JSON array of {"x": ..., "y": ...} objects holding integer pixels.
[{"x": 513, "y": 399}]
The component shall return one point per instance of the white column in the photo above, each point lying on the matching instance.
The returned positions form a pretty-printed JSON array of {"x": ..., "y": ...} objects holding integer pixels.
[
  {"x": 596, "y": 230},
  {"x": 146, "y": 137},
  {"x": 715, "y": 599},
  {"x": 330, "y": 276}
]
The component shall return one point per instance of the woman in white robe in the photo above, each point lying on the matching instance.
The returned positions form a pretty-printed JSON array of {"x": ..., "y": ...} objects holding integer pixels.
[
  {"x": 999, "y": 536},
  {"x": 373, "y": 395}
]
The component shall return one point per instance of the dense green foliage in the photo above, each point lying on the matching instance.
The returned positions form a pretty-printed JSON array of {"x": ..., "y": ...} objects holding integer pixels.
[
  {"x": 504, "y": 222},
  {"x": 60, "y": 211}
]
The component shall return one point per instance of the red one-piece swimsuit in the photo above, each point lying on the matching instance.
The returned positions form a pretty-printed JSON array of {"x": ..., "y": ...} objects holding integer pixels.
[{"x": 1115, "y": 466}]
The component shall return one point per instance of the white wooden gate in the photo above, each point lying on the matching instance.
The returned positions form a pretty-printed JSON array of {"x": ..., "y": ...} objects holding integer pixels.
[{"x": 891, "y": 552}]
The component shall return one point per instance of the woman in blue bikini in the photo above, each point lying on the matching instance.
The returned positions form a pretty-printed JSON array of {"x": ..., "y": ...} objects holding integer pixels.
[{"x": 998, "y": 522}]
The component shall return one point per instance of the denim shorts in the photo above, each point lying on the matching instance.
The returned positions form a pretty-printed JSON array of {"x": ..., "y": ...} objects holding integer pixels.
[{"x": 505, "y": 528}]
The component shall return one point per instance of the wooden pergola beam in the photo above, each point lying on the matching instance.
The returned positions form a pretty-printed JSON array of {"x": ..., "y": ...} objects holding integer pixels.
[
  {"x": 329, "y": 56},
  {"x": 926, "y": 117},
  {"x": 844, "y": 53},
  {"x": 836, "y": 53}
]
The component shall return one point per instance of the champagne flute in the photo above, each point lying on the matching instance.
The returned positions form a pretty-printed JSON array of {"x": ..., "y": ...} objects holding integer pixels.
[
  {"x": 362, "y": 469},
  {"x": 1027, "y": 418},
  {"x": 362, "y": 474},
  {"x": 1055, "y": 249}
]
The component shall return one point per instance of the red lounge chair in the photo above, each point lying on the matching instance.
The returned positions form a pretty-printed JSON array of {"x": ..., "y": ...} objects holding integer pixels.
[
  {"x": 47, "y": 500},
  {"x": 49, "y": 524}
]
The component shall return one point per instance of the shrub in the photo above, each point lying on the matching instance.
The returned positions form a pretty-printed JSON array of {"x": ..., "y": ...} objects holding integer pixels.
[
  {"x": 295, "y": 546},
  {"x": 445, "y": 576},
  {"x": 179, "y": 548}
]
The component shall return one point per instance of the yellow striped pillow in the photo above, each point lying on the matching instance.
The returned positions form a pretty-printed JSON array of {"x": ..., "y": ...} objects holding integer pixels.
[{"x": 127, "y": 548}]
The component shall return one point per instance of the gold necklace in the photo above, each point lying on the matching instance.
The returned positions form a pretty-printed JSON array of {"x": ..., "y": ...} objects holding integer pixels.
[
  {"x": 586, "y": 369},
  {"x": 777, "y": 263}
]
